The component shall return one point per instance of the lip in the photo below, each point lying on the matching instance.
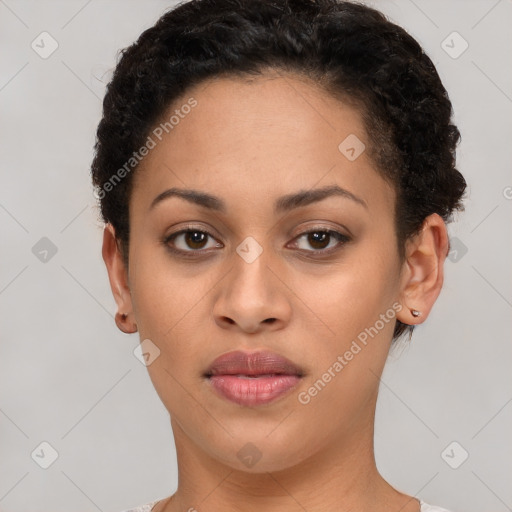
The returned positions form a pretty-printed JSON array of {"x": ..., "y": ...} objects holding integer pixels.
[{"x": 253, "y": 378}]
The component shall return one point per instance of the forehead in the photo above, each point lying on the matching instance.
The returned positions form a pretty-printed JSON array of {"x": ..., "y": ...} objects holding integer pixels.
[
  {"x": 272, "y": 134},
  {"x": 274, "y": 110}
]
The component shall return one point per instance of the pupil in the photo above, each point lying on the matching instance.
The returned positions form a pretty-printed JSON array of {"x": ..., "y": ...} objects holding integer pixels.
[
  {"x": 318, "y": 237},
  {"x": 195, "y": 238}
]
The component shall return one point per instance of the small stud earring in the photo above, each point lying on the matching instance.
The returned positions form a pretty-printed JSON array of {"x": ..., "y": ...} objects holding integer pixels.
[
  {"x": 415, "y": 313},
  {"x": 122, "y": 323}
]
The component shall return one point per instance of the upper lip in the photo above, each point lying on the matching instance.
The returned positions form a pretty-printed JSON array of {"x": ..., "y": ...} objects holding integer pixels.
[{"x": 252, "y": 363}]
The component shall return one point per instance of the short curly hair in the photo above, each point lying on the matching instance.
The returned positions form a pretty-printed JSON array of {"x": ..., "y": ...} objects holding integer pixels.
[{"x": 350, "y": 50}]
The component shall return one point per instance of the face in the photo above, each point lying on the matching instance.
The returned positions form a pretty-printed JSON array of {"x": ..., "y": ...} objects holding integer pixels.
[{"x": 295, "y": 253}]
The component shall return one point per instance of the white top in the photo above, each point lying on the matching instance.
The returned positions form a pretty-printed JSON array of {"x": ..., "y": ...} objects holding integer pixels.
[{"x": 425, "y": 507}]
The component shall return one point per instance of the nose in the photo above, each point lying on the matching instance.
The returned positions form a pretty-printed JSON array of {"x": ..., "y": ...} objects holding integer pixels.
[{"x": 252, "y": 297}]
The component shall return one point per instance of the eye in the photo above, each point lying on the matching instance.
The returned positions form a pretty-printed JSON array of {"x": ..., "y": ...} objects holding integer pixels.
[
  {"x": 190, "y": 240},
  {"x": 321, "y": 240}
]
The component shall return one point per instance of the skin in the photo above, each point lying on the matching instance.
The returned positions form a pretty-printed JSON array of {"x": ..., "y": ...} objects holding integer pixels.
[{"x": 249, "y": 142}]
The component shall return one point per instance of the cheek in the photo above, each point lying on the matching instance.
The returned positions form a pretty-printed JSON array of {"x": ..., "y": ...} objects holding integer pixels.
[
  {"x": 169, "y": 312},
  {"x": 353, "y": 293},
  {"x": 172, "y": 307},
  {"x": 165, "y": 295},
  {"x": 347, "y": 360}
]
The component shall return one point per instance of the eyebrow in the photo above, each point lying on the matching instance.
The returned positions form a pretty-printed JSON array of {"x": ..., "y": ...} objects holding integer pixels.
[{"x": 282, "y": 204}]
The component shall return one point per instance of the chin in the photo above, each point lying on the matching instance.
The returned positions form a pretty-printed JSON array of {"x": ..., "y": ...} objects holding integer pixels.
[{"x": 262, "y": 454}]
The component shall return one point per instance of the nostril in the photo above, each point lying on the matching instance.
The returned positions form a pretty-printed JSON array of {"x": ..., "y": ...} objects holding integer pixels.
[{"x": 269, "y": 320}]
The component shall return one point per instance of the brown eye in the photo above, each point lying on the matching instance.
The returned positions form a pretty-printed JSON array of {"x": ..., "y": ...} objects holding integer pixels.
[
  {"x": 190, "y": 240},
  {"x": 320, "y": 240},
  {"x": 195, "y": 239}
]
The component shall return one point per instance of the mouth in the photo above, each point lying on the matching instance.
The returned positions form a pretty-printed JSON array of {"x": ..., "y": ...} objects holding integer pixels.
[{"x": 251, "y": 379}]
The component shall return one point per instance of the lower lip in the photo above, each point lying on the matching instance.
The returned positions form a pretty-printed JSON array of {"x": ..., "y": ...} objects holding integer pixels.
[{"x": 253, "y": 391}]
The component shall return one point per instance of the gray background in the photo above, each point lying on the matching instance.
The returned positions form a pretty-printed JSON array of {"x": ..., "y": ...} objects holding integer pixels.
[{"x": 70, "y": 378}]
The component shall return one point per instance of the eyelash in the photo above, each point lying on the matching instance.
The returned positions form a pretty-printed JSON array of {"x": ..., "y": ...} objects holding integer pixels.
[{"x": 193, "y": 253}]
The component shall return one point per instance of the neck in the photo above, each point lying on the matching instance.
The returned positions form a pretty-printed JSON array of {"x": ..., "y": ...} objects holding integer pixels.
[{"x": 342, "y": 477}]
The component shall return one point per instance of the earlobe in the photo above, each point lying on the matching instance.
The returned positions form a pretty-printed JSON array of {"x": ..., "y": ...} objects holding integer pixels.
[
  {"x": 124, "y": 323},
  {"x": 423, "y": 273},
  {"x": 118, "y": 278}
]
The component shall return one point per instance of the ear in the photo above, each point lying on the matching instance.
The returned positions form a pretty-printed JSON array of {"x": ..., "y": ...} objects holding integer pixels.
[
  {"x": 422, "y": 272},
  {"x": 118, "y": 277}
]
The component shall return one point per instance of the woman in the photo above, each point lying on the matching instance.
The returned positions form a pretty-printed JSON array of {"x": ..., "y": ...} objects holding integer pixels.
[{"x": 275, "y": 179}]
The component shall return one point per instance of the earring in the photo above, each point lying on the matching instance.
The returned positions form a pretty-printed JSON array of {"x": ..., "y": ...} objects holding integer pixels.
[
  {"x": 121, "y": 318},
  {"x": 415, "y": 313},
  {"x": 122, "y": 324}
]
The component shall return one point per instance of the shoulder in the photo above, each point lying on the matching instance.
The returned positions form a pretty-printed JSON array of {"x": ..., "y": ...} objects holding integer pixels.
[
  {"x": 425, "y": 507},
  {"x": 142, "y": 508}
]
